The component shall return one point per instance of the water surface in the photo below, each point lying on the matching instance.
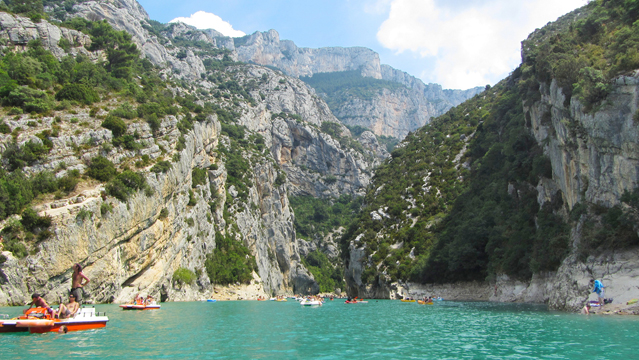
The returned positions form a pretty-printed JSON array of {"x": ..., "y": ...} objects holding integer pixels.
[{"x": 381, "y": 329}]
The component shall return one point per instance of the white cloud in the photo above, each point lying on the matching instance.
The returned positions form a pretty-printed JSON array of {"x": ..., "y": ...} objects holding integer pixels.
[
  {"x": 473, "y": 43},
  {"x": 206, "y": 20}
]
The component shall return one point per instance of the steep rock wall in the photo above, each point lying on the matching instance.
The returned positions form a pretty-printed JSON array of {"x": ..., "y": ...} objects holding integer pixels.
[
  {"x": 130, "y": 249},
  {"x": 391, "y": 112}
]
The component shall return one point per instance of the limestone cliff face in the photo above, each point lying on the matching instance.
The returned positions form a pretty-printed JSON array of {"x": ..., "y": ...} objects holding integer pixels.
[
  {"x": 315, "y": 163},
  {"x": 16, "y": 32},
  {"x": 265, "y": 48},
  {"x": 595, "y": 158},
  {"x": 391, "y": 112},
  {"x": 131, "y": 248},
  {"x": 129, "y": 16}
]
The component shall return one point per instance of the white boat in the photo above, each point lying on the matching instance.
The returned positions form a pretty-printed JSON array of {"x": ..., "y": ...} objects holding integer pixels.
[{"x": 307, "y": 302}]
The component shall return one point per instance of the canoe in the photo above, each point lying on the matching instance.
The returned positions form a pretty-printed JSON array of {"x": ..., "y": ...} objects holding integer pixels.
[{"x": 422, "y": 302}]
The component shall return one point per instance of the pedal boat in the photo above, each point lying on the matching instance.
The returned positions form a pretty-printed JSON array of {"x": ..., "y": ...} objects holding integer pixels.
[
  {"x": 38, "y": 321},
  {"x": 151, "y": 306},
  {"x": 307, "y": 302}
]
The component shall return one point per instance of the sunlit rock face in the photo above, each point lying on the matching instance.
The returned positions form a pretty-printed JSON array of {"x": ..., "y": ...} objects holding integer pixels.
[
  {"x": 393, "y": 112},
  {"x": 137, "y": 245}
]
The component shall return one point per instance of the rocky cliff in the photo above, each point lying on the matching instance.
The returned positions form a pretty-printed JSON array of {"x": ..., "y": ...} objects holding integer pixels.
[
  {"x": 580, "y": 121},
  {"x": 137, "y": 245},
  {"x": 392, "y": 112}
]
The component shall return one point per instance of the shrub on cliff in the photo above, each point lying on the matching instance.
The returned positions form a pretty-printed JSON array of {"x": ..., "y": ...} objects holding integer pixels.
[
  {"x": 184, "y": 276},
  {"x": 199, "y": 177},
  {"x": 77, "y": 92},
  {"x": 101, "y": 168},
  {"x": 17, "y": 157},
  {"x": 230, "y": 261},
  {"x": 115, "y": 124},
  {"x": 32, "y": 222},
  {"x": 125, "y": 184}
]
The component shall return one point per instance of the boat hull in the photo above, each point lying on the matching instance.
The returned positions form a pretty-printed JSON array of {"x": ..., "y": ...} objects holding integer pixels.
[
  {"x": 311, "y": 303},
  {"x": 139, "y": 307},
  {"x": 71, "y": 326},
  {"x": 38, "y": 321},
  {"x": 9, "y": 326}
]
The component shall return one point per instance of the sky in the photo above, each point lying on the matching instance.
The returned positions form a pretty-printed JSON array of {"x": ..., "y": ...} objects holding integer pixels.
[{"x": 456, "y": 43}]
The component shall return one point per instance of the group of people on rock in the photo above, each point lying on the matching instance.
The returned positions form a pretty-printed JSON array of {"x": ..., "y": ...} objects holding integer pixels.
[{"x": 65, "y": 311}]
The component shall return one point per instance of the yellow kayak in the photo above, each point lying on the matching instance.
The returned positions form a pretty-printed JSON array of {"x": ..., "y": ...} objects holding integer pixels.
[
  {"x": 407, "y": 300},
  {"x": 422, "y": 302}
]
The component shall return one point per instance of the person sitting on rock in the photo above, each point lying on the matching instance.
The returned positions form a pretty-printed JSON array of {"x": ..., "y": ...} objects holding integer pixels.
[{"x": 69, "y": 310}]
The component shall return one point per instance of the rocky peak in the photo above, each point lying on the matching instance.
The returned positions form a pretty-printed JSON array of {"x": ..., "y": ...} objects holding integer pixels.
[{"x": 265, "y": 48}]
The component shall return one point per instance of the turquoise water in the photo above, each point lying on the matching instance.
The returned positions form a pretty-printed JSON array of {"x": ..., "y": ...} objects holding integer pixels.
[{"x": 381, "y": 329}]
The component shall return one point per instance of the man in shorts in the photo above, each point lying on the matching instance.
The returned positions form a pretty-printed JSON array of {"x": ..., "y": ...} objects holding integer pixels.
[
  {"x": 69, "y": 310},
  {"x": 40, "y": 302},
  {"x": 599, "y": 289},
  {"x": 76, "y": 282}
]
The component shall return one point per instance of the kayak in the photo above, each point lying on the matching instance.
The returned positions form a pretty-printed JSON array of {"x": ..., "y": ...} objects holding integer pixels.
[
  {"x": 422, "y": 302},
  {"x": 407, "y": 300}
]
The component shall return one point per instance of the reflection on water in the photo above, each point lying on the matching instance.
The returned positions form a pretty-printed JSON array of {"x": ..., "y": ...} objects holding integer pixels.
[{"x": 379, "y": 329}]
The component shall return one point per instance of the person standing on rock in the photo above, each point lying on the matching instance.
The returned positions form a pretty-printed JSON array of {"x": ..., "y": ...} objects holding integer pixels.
[
  {"x": 599, "y": 289},
  {"x": 76, "y": 282}
]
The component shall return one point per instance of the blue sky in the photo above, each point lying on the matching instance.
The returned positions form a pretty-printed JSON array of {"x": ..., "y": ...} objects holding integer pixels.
[{"x": 456, "y": 43}]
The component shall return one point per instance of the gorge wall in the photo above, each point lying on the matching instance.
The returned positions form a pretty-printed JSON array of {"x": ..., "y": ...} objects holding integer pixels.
[
  {"x": 589, "y": 145},
  {"x": 138, "y": 245},
  {"x": 392, "y": 112}
]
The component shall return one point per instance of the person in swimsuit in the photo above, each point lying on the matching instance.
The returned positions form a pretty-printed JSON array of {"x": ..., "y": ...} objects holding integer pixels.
[
  {"x": 69, "y": 310},
  {"x": 40, "y": 302},
  {"x": 76, "y": 282}
]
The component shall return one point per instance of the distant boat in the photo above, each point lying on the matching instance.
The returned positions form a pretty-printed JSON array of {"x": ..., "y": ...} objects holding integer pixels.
[
  {"x": 151, "y": 306},
  {"x": 403, "y": 300},
  {"x": 307, "y": 302}
]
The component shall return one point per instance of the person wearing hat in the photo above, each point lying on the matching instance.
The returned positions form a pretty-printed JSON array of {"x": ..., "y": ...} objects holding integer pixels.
[{"x": 69, "y": 310}]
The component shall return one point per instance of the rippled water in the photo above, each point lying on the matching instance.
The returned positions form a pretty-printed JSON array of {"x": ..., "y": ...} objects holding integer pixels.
[{"x": 380, "y": 329}]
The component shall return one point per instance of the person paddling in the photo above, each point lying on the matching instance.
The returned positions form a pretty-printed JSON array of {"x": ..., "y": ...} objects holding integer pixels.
[{"x": 76, "y": 282}]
